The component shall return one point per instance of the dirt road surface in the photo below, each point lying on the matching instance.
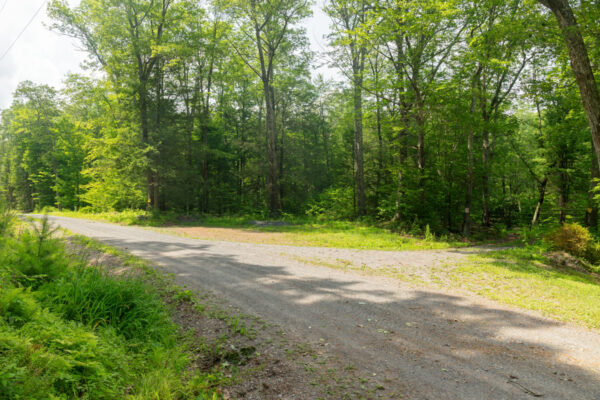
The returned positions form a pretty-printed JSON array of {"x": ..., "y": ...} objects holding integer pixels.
[{"x": 424, "y": 344}]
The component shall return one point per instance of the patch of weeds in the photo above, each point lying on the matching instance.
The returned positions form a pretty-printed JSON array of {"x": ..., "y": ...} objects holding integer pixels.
[{"x": 184, "y": 295}]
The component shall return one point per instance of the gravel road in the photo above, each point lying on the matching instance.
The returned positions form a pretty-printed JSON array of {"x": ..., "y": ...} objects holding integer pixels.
[{"x": 422, "y": 343}]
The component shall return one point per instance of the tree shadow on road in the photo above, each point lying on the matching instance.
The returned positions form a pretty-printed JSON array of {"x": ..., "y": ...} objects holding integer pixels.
[{"x": 431, "y": 345}]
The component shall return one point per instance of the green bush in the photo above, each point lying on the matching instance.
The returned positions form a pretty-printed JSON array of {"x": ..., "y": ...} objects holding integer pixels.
[
  {"x": 34, "y": 257},
  {"x": 571, "y": 238},
  {"x": 90, "y": 296},
  {"x": 577, "y": 241},
  {"x": 334, "y": 203}
]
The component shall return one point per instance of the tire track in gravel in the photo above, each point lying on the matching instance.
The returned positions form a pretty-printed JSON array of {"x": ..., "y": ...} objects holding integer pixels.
[{"x": 420, "y": 343}]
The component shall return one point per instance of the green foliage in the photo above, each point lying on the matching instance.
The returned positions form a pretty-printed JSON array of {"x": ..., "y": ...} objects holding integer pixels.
[
  {"x": 90, "y": 296},
  {"x": 34, "y": 257},
  {"x": 188, "y": 103},
  {"x": 572, "y": 238},
  {"x": 71, "y": 331},
  {"x": 334, "y": 203}
]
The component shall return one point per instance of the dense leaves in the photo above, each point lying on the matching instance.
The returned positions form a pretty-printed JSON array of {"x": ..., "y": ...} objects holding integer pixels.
[{"x": 459, "y": 115}]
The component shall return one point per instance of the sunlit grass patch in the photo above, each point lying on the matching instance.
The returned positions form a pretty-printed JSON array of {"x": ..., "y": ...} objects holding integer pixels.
[
  {"x": 294, "y": 231},
  {"x": 524, "y": 277}
]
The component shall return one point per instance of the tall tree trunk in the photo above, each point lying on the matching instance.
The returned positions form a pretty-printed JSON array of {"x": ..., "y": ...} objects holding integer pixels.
[
  {"x": 420, "y": 120},
  {"x": 143, "y": 98},
  {"x": 469, "y": 189},
  {"x": 380, "y": 150},
  {"x": 402, "y": 157},
  {"x": 580, "y": 63},
  {"x": 282, "y": 151},
  {"x": 206, "y": 123},
  {"x": 56, "y": 178},
  {"x": 325, "y": 144},
  {"x": 485, "y": 215},
  {"x": 563, "y": 195},
  {"x": 541, "y": 195},
  {"x": 591, "y": 214},
  {"x": 272, "y": 183},
  {"x": 544, "y": 182},
  {"x": 357, "y": 72}
]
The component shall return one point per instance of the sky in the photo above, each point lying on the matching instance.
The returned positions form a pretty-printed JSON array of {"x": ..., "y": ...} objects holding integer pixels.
[{"x": 44, "y": 56}]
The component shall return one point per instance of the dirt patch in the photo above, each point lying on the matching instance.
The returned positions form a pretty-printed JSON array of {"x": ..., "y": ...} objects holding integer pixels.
[
  {"x": 564, "y": 261},
  {"x": 231, "y": 235},
  {"x": 257, "y": 365}
]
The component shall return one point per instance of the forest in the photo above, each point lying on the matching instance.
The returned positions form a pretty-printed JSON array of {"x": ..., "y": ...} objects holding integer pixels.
[{"x": 460, "y": 115}]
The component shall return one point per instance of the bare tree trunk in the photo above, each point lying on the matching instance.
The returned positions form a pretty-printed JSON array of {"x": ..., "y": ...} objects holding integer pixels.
[
  {"x": 563, "y": 195},
  {"x": 357, "y": 71},
  {"x": 325, "y": 144},
  {"x": 538, "y": 208},
  {"x": 486, "y": 218},
  {"x": 282, "y": 149},
  {"x": 143, "y": 98},
  {"x": 591, "y": 213},
  {"x": 402, "y": 156},
  {"x": 470, "y": 161},
  {"x": 420, "y": 119},
  {"x": 544, "y": 182},
  {"x": 272, "y": 183},
  {"x": 380, "y": 150},
  {"x": 580, "y": 63}
]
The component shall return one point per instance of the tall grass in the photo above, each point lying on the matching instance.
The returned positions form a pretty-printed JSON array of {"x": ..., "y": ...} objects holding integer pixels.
[
  {"x": 90, "y": 296},
  {"x": 69, "y": 331}
]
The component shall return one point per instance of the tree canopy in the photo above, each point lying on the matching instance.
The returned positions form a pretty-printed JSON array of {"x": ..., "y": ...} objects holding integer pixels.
[{"x": 454, "y": 114}]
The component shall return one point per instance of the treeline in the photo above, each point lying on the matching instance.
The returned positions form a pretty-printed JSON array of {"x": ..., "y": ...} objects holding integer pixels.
[{"x": 452, "y": 113}]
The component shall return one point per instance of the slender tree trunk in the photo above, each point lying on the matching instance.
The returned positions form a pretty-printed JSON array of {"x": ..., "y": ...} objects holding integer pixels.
[
  {"x": 580, "y": 63},
  {"x": 544, "y": 182},
  {"x": 591, "y": 214},
  {"x": 272, "y": 183},
  {"x": 143, "y": 98},
  {"x": 469, "y": 189},
  {"x": 56, "y": 178},
  {"x": 380, "y": 150},
  {"x": 282, "y": 151},
  {"x": 486, "y": 218},
  {"x": 402, "y": 157},
  {"x": 357, "y": 71},
  {"x": 420, "y": 120},
  {"x": 541, "y": 195},
  {"x": 325, "y": 144},
  {"x": 563, "y": 195}
]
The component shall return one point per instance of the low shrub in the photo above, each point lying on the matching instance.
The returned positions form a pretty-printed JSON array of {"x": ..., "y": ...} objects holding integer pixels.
[
  {"x": 577, "y": 241},
  {"x": 34, "y": 257}
]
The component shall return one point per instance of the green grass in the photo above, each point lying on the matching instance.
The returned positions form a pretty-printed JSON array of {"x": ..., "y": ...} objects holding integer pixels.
[
  {"x": 71, "y": 331},
  {"x": 300, "y": 232},
  {"x": 522, "y": 277},
  {"x": 525, "y": 278}
]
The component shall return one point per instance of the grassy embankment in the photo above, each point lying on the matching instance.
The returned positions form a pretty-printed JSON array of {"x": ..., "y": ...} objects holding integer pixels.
[
  {"x": 297, "y": 232},
  {"x": 70, "y": 330}
]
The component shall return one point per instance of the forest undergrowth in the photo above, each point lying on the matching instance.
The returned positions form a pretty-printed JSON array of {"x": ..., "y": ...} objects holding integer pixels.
[{"x": 73, "y": 330}]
